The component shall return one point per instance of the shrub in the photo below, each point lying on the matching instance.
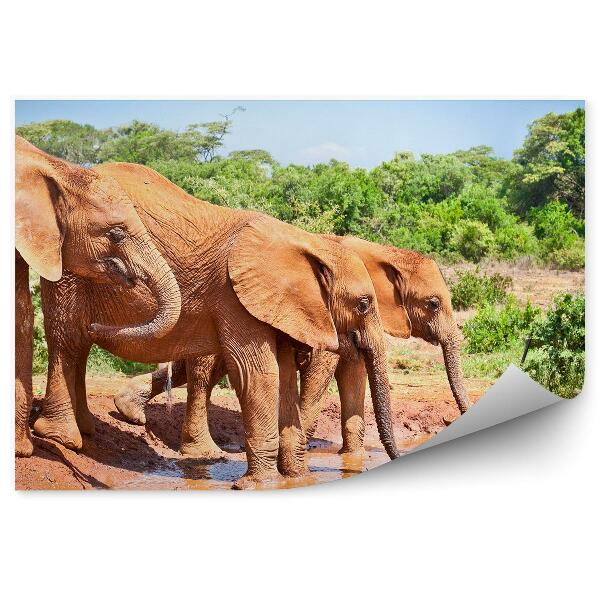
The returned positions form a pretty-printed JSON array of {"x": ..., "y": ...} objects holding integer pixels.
[
  {"x": 555, "y": 226},
  {"x": 104, "y": 363},
  {"x": 558, "y": 360},
  {"x": 473, "y": 240},
  {"x": 571, "y": 258},
  {"x": 493, "y": 329},
  {"x": 514, "y": 240},
  {"x": 481, "y": 203},
  {"x": 471, "y": 289},
  {"x": 40, "y": 348}
]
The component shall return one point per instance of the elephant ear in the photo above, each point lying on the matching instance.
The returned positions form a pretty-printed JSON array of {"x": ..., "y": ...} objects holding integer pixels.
[
  {"x": 387, "y": 281},
  {"x": 282, "y": 276},
  {"x": 37, "y": 235},
  {"x": 395, "y": 319}
]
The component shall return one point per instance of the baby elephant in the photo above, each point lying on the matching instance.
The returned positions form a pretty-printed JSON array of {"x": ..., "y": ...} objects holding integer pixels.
[{"x": 406, "y": 283}]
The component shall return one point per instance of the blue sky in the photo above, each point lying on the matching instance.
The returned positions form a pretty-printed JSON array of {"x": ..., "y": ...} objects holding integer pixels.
[{"x": 362, "y": 133}]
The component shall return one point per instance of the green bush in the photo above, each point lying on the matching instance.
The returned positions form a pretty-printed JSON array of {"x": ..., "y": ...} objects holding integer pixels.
[
  {"x": 514, "y": 240},
  {"x": 40, "y": 348},
  {"x": 473, "y": 240},
  {"x": 481, "y": 203},
  {"x": 102, "y": 362},
  {"x": 571, "y": 258},
  {"x": 558, "y": 343},
  {"x": 555, "y": 226},
  {"x": 468, "y": 289},
  {"x": 493, "y": 329}
]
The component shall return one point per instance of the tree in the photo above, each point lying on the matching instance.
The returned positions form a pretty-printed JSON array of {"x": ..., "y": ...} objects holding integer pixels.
[
  {"x": 207, "y": 138},
  {"x": 485, "y": 168},
  {"x": 552, "y": 161},
  {"x": 143, "y": 143},
  {"x": 433, "y": 177},
  {"x": 65, "y": 139}
]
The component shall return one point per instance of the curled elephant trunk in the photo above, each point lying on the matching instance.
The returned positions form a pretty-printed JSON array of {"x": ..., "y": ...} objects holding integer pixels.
[
  {"x": 376, "y": 365},
  {"x": 154, "y": 271},
  {"x": 451, "y": 351}
]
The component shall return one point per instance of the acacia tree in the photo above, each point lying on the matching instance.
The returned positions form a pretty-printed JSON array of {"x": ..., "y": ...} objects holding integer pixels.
[{"x": 205, "y": 139}]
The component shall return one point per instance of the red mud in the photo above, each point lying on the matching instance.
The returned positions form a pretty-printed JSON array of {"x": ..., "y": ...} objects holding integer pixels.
[{"x": 125, "y": 456}]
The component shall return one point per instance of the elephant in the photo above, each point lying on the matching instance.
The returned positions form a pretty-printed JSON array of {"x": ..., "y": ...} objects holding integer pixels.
[
  {"x": 405, "y": 283},
  {"x": 70, "y": 219},
  {"x": 253, "y": 289}
]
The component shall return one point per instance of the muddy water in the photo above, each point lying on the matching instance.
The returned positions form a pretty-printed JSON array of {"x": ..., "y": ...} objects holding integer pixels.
[
  {"x": 126, "y": 456},
  {"x": 325, "y": 464}
]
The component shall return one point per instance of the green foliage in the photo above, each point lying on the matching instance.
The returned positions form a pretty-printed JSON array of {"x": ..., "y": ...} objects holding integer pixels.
[
  {"x": 457, "y": 206},
  {"x": 40, "y": 348},
  {"x": 492, "y": 364},
  {"x": 65, "y": 139},
  {"x": 552, "y": 161},
  {"x": 473, "y": 240},
  {"x": 558, "y": 340},
  {"x": 560, "y": 234},
  {"x": 467, "y": 205},
  {"x": 515, "y": 239},
  {"x": 487, "y": 169},
  {"x": 480, "y": 203},
  {"x": 430, "y": 178},
  {"x": 493, "y": 329},
  {"x": 571, "y": 258},
  {"x": 102, "y": 362},
  {"x": 469, "y": 288}
]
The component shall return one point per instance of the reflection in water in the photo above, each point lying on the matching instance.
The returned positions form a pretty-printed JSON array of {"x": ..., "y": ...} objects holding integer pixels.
[{"x": 324, "y": 462}]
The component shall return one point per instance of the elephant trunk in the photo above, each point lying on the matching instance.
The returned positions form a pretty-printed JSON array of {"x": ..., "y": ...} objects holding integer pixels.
[
  {"x": 451, "y": 351},
  {"x": 376, "y": 365},
  {"x": 160, "y": 280}
]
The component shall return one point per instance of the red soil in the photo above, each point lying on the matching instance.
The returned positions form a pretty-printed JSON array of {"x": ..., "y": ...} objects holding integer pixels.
[{"x": 121, "y": 455}]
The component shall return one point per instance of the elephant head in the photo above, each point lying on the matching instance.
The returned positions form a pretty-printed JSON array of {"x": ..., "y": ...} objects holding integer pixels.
[
  {"x": 408, "y": 282},
  {"x": 69, "y": 217},
  {"x": 319, "y": 293}
]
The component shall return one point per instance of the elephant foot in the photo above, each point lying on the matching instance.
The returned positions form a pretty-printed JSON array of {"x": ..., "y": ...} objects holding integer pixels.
[
  {"x": 293, "y": 469},
  {"x": 23, "y": 445},
  {"x": 64, "y": 432},
  {"x": 86, "y": 423},
  {"x": 259, "y": 481},
  {"x": 352, "y": 451},
  {"x": 132, "y": 411},
  {"x": 203, "y": 450}
]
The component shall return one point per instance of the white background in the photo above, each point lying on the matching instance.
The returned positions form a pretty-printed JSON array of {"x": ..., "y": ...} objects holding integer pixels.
[{"x": 507, "y": 513}]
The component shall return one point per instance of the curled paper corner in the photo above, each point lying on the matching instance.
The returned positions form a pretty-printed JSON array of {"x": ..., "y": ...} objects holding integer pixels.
[{"x": 513, "y": 395}]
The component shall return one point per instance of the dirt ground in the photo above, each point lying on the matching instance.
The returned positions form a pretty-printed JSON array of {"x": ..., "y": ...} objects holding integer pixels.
[
  {"x": 125, "y": 456},
  {"x": 531, "y": 283}
]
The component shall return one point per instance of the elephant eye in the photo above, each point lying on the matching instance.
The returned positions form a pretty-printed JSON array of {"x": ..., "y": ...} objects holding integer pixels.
[
  {"x": 116, "y": 235},
  {"x": 363, "y": 305},
  {"x": 433, "y": 303}
]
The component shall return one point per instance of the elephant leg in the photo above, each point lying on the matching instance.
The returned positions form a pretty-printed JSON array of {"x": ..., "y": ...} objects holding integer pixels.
[
  {"x": 204, "y": 372},
  {"x": 24, "y": 358},
  {"x": 138, "y": 391},
  {"x": 315, "y": 375},
  {"x": 85, "y": 419},
  {"x": 57, "y": 421},
  {"x": 351, "y": 378},
  {"x": 250, "y": 354},
  {"x": 292, "y": 440},
  {"x": 63, "y": 318}
]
